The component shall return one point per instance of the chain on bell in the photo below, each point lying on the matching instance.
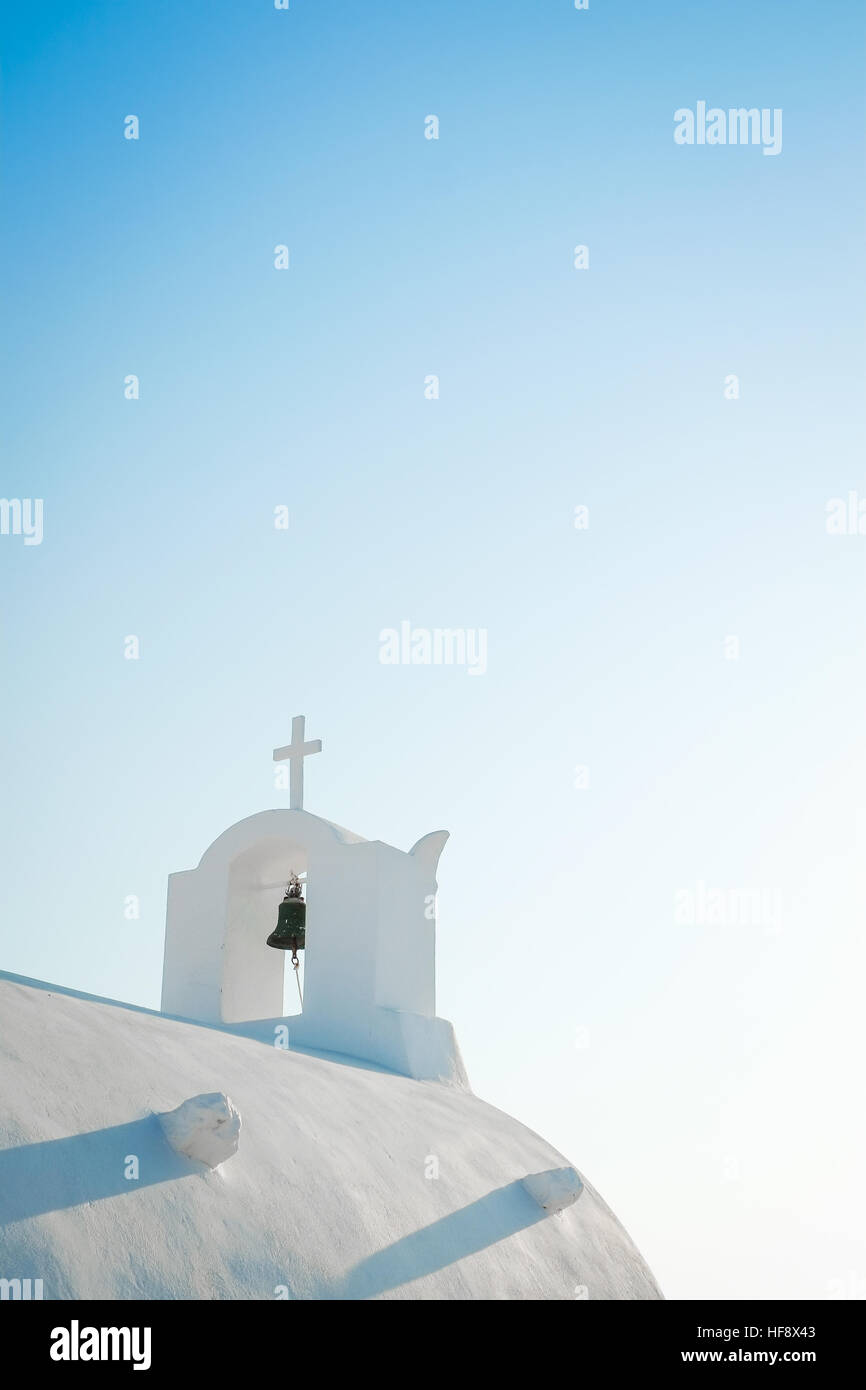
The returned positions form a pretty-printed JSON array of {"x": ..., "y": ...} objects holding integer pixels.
[{"x": 289, "y": 933}]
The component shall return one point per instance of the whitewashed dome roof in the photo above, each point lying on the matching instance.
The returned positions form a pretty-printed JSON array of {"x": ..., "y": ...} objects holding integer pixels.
[{"x": 329, "y": 1195}]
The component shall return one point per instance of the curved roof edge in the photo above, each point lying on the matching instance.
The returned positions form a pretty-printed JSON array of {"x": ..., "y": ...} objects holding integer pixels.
[{"x": 286, "y": 819}]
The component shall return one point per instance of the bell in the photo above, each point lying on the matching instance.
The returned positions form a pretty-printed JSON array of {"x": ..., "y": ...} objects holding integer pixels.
[{"x": 288, "y": 935}]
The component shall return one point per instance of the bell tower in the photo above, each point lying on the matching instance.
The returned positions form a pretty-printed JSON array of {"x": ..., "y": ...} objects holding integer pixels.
[{"x": 369, "y": 936}]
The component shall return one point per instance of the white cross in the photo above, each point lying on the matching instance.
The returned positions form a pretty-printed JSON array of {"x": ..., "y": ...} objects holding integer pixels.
[{"x": 295, "y": 752}]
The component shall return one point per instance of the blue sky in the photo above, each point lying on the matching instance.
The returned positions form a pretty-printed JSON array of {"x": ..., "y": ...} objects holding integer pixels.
[{"x": 662, "y": 1058}]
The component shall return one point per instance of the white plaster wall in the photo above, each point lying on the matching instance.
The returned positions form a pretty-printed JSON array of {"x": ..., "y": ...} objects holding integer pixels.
[
  {"x": 405, "y": 957},
  {"x": 339, "y": 970}
]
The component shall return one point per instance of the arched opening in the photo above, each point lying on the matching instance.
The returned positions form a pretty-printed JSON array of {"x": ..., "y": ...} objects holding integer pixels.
[{"x": 257, "y": 981}]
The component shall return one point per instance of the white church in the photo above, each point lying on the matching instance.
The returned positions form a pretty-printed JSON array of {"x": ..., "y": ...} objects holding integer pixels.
[{"x": 230, "y": 1151}]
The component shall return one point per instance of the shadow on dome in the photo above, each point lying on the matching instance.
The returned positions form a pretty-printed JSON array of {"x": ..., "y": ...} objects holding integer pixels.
[
  {"x": 61, "y": 1173},
  {"x": 483, "y": 1223}
]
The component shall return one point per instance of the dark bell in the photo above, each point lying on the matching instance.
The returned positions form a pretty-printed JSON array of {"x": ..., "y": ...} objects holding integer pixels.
[{"x": 289, "y": 934}]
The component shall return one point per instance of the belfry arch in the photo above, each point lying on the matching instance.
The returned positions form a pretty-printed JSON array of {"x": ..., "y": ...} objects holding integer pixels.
[
  {"x": 369, "y": 964},
  {"x": 217, "y": 965}
]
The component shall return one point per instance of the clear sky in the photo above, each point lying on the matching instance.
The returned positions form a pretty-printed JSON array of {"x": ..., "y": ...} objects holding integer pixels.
[{"x": 704, "y": 1074}]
